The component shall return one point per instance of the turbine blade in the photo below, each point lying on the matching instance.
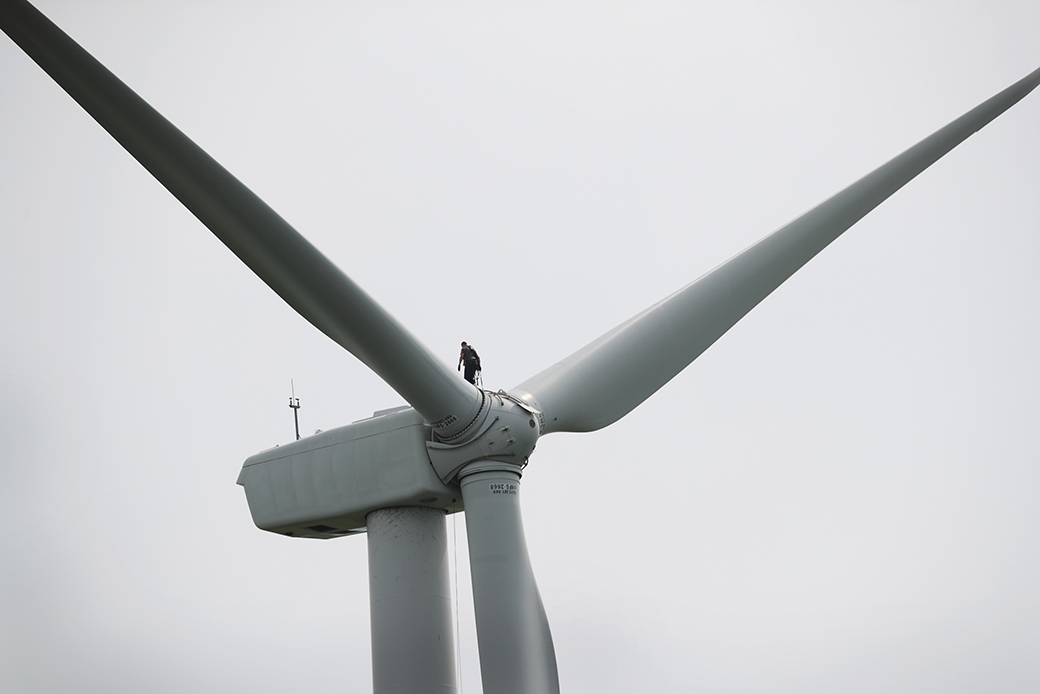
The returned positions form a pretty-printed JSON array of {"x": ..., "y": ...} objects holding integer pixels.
[
  {"x": 513, "y": 638},
  {"x": 608, "y": 378},
  {"x": 272, "y": 249}
]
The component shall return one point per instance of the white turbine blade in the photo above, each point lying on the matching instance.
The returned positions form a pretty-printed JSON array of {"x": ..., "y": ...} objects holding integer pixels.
[
  {"x": 272, "y": 249},
  {"x": 513, "y": 637},
  {"x": 608, "y": 378}
]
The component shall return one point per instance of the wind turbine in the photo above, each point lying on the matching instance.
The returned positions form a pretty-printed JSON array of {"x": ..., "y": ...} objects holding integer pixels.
[{"x": 533, "y": 395}]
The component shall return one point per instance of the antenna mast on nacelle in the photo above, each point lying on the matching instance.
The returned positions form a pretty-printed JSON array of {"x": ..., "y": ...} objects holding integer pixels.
[{"x": 294, "y": 403}]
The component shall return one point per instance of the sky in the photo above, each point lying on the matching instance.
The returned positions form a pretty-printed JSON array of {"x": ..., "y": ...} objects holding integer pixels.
[{"x": 842, "y": 494}]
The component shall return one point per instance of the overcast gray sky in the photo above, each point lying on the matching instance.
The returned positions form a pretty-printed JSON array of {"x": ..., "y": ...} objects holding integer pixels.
[{"x": 843, "y": 494}]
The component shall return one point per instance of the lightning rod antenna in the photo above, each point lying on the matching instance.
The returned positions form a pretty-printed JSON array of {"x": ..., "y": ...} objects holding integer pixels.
[{"x": 294, "y": 403}]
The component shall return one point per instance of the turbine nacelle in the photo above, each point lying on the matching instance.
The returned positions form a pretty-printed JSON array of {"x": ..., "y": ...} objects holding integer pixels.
[{"x": 325, "y": 485}]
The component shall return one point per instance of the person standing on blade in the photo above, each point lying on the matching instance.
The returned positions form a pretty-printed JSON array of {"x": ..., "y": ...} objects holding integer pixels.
[{"x": 471, "y": 359}]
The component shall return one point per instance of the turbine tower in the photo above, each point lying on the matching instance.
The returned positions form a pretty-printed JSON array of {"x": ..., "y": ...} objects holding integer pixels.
[{"x": 396, "y": 475}]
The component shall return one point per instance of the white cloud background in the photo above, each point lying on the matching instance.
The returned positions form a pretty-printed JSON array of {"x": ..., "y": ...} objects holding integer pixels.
[{"x": 840, "y": 495}]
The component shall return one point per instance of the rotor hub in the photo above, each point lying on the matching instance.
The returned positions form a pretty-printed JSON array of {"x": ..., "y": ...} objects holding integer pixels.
[{"x": 506, "y": 431}]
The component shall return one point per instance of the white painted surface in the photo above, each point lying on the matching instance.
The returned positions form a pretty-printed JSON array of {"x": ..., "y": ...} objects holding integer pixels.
[{"x": 845, "y": 495}]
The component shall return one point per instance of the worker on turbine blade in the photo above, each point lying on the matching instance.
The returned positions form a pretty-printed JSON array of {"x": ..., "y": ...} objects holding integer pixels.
[{"x": 469, "y": 357}]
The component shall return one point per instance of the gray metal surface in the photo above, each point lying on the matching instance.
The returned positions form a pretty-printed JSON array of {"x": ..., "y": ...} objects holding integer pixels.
[
  {"x": 324, "y": 485},
  {"x": 507, "y": 432},
  {"x": 516, "y": 648},
  {"x": 327, "y": 484},
  {"x": 413, "y": 641},
  {"x": 605, "y": 380},
  {"x": 281, "y": 257}
]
